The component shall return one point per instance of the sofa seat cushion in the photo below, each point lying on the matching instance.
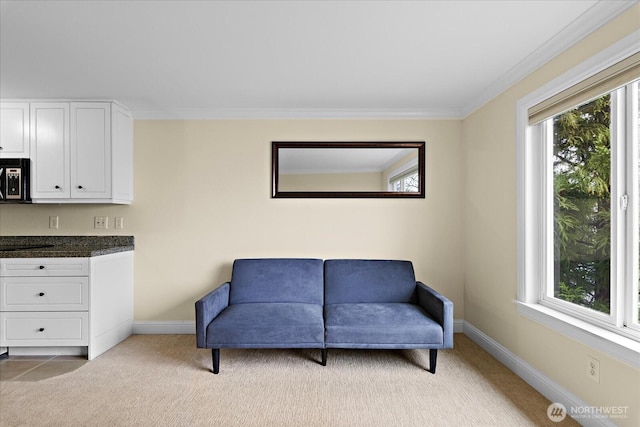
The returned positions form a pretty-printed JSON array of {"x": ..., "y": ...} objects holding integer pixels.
[
  {"x": 268, "y": 325},
  {"x": 380, "y": 325}
]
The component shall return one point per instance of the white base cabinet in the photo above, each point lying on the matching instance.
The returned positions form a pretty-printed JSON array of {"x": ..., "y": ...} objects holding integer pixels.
[{"x": 66, "y": 305}]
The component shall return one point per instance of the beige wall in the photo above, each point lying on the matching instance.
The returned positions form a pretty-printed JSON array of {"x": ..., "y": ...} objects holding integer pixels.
[
  {"x": 203, "y": 198},
  {"x": 490, "y": 242}
]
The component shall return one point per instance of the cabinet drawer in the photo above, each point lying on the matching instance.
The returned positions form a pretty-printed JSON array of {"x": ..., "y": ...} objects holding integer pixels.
[
  {"x": 43, "y": 329},
  {"x": 44, "y": 267},
  {"x": 44, "y": 293}
]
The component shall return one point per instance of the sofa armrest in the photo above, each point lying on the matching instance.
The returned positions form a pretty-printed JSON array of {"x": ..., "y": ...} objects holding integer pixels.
[
  {"x": 440, "y": 308},
  {"x": 207, "y": 308}
]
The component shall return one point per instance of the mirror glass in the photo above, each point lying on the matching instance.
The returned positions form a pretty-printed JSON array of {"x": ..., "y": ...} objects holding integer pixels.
[{"x": 348, "y": 169}]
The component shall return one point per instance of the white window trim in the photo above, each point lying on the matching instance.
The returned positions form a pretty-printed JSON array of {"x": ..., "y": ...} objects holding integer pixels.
[
  {"x": 530, "y": 246},
  {"x": 633, "y": 224},
  {"x": 413, "y": 163}
]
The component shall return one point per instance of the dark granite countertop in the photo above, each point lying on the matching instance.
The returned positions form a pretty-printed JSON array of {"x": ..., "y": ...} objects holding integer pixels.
[{"x": 65, "y": 246}]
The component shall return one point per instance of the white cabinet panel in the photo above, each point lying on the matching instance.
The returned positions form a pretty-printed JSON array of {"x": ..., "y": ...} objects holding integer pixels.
[
  {"x": 44, "y": 328},
  {"x": 50, "y": 177},
  {"x": 44, "y": 267},
  {"x": 14, "y": 129},
  {"x": 122, "y": 154},
  {"x": 44, "y": 293},
  {"x": 90, "y": 150}
]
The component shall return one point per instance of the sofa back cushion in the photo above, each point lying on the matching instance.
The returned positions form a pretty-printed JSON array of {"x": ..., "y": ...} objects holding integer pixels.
[
  {"x": 368, "y": 281},
  {"x": 286, "y": 280}
]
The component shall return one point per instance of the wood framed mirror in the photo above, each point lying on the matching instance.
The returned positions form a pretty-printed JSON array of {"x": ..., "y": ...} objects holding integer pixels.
[{"x": 348, "y": 169}]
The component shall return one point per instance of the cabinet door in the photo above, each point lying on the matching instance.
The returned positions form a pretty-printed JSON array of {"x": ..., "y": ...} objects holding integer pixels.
[
  {"x": 14, "y": 129},
  {"x": 90, "y": 150},
  {"x": 50, "y": 150}
]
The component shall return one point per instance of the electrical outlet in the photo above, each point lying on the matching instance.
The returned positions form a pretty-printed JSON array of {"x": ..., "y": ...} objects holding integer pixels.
[
  {"x": 53, "y": 222},
  {"x": 119, "y": 222},
  {"x": 100, "y": 222},
  {"x": 593, "y": 369}
]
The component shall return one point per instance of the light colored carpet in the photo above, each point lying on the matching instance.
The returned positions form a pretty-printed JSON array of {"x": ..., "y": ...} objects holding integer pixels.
[{"x": 163, "y": 380}]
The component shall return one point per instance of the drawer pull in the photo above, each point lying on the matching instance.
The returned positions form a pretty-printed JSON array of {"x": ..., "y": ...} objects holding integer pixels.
[
  {"x": 41, "y": 294},
  {"x": 41, "y": 267},
  {"x": 41, "y": 330}
]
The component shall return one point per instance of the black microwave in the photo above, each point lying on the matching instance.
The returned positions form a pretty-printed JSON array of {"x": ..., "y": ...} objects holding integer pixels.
[{"x": 14, "y": 181}]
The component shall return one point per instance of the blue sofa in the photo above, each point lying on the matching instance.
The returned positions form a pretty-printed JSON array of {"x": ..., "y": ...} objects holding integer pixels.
[{"x": 308, "y": 303}]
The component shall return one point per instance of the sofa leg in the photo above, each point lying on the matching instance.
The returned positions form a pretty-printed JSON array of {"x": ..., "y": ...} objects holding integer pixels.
[
  {"x": 324, "y": 356},
  {"x": 215, "y": 356},
  {"x": 433, "y": 355}
]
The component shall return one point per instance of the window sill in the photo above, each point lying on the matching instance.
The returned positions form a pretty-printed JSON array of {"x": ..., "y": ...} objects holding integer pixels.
[{"x": 610, "y": 343}]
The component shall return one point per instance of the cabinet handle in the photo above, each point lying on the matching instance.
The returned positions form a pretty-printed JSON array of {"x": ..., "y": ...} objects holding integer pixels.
[
  {"x": 41, "y": 267},
  {"x": 79, "y": 187},
  {"x": 57, "y": 187},
  {"x": 41, "y": 294},
  {"x": 41, "y": 329}
]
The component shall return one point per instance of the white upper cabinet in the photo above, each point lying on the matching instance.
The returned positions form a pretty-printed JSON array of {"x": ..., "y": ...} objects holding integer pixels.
[
  {"x": 90, "y": 150},
  {"x": 81, "y": 152},
  {"x": 50, "y": 173},
  {"x": 14, "y": 129}
]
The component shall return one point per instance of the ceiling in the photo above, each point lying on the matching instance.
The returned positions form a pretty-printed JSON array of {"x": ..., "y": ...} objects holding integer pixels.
[{"x": 246, "y": 59}]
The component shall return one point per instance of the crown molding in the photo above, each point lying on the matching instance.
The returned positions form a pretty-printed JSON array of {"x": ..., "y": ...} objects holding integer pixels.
[
  {"x": 601, "y": 13},
  {"x": 293, "y": 113}
]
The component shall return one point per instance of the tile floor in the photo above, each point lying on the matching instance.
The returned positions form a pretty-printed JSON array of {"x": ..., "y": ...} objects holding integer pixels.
[{"x": 36, "y": 368}]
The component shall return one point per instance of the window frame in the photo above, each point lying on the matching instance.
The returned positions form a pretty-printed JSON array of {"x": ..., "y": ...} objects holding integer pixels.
[
  {"x": 533, "y": 217},
  {"x": 621, "y": 174},
  {"x": 401, "y": 177},
  {"x": 401, "y": 172},
  {"x": 633, "y": 218}
]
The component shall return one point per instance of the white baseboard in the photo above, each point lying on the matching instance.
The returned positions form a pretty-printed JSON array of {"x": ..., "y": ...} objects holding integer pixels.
[
  {"x": 544, "y": 385},
  {"x": 174, "y": 327},
  {"x": 458, "y": 326}
]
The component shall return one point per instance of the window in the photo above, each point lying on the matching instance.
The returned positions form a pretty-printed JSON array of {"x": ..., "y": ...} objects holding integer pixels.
[
  {"x": 579, "y": 201},
  {"x": 587, "y": 151},
  {"x": 405, "y": 183}
]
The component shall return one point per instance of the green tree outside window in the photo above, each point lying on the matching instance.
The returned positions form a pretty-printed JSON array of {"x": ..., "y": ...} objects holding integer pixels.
[{"x": 582, "y": 205}]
